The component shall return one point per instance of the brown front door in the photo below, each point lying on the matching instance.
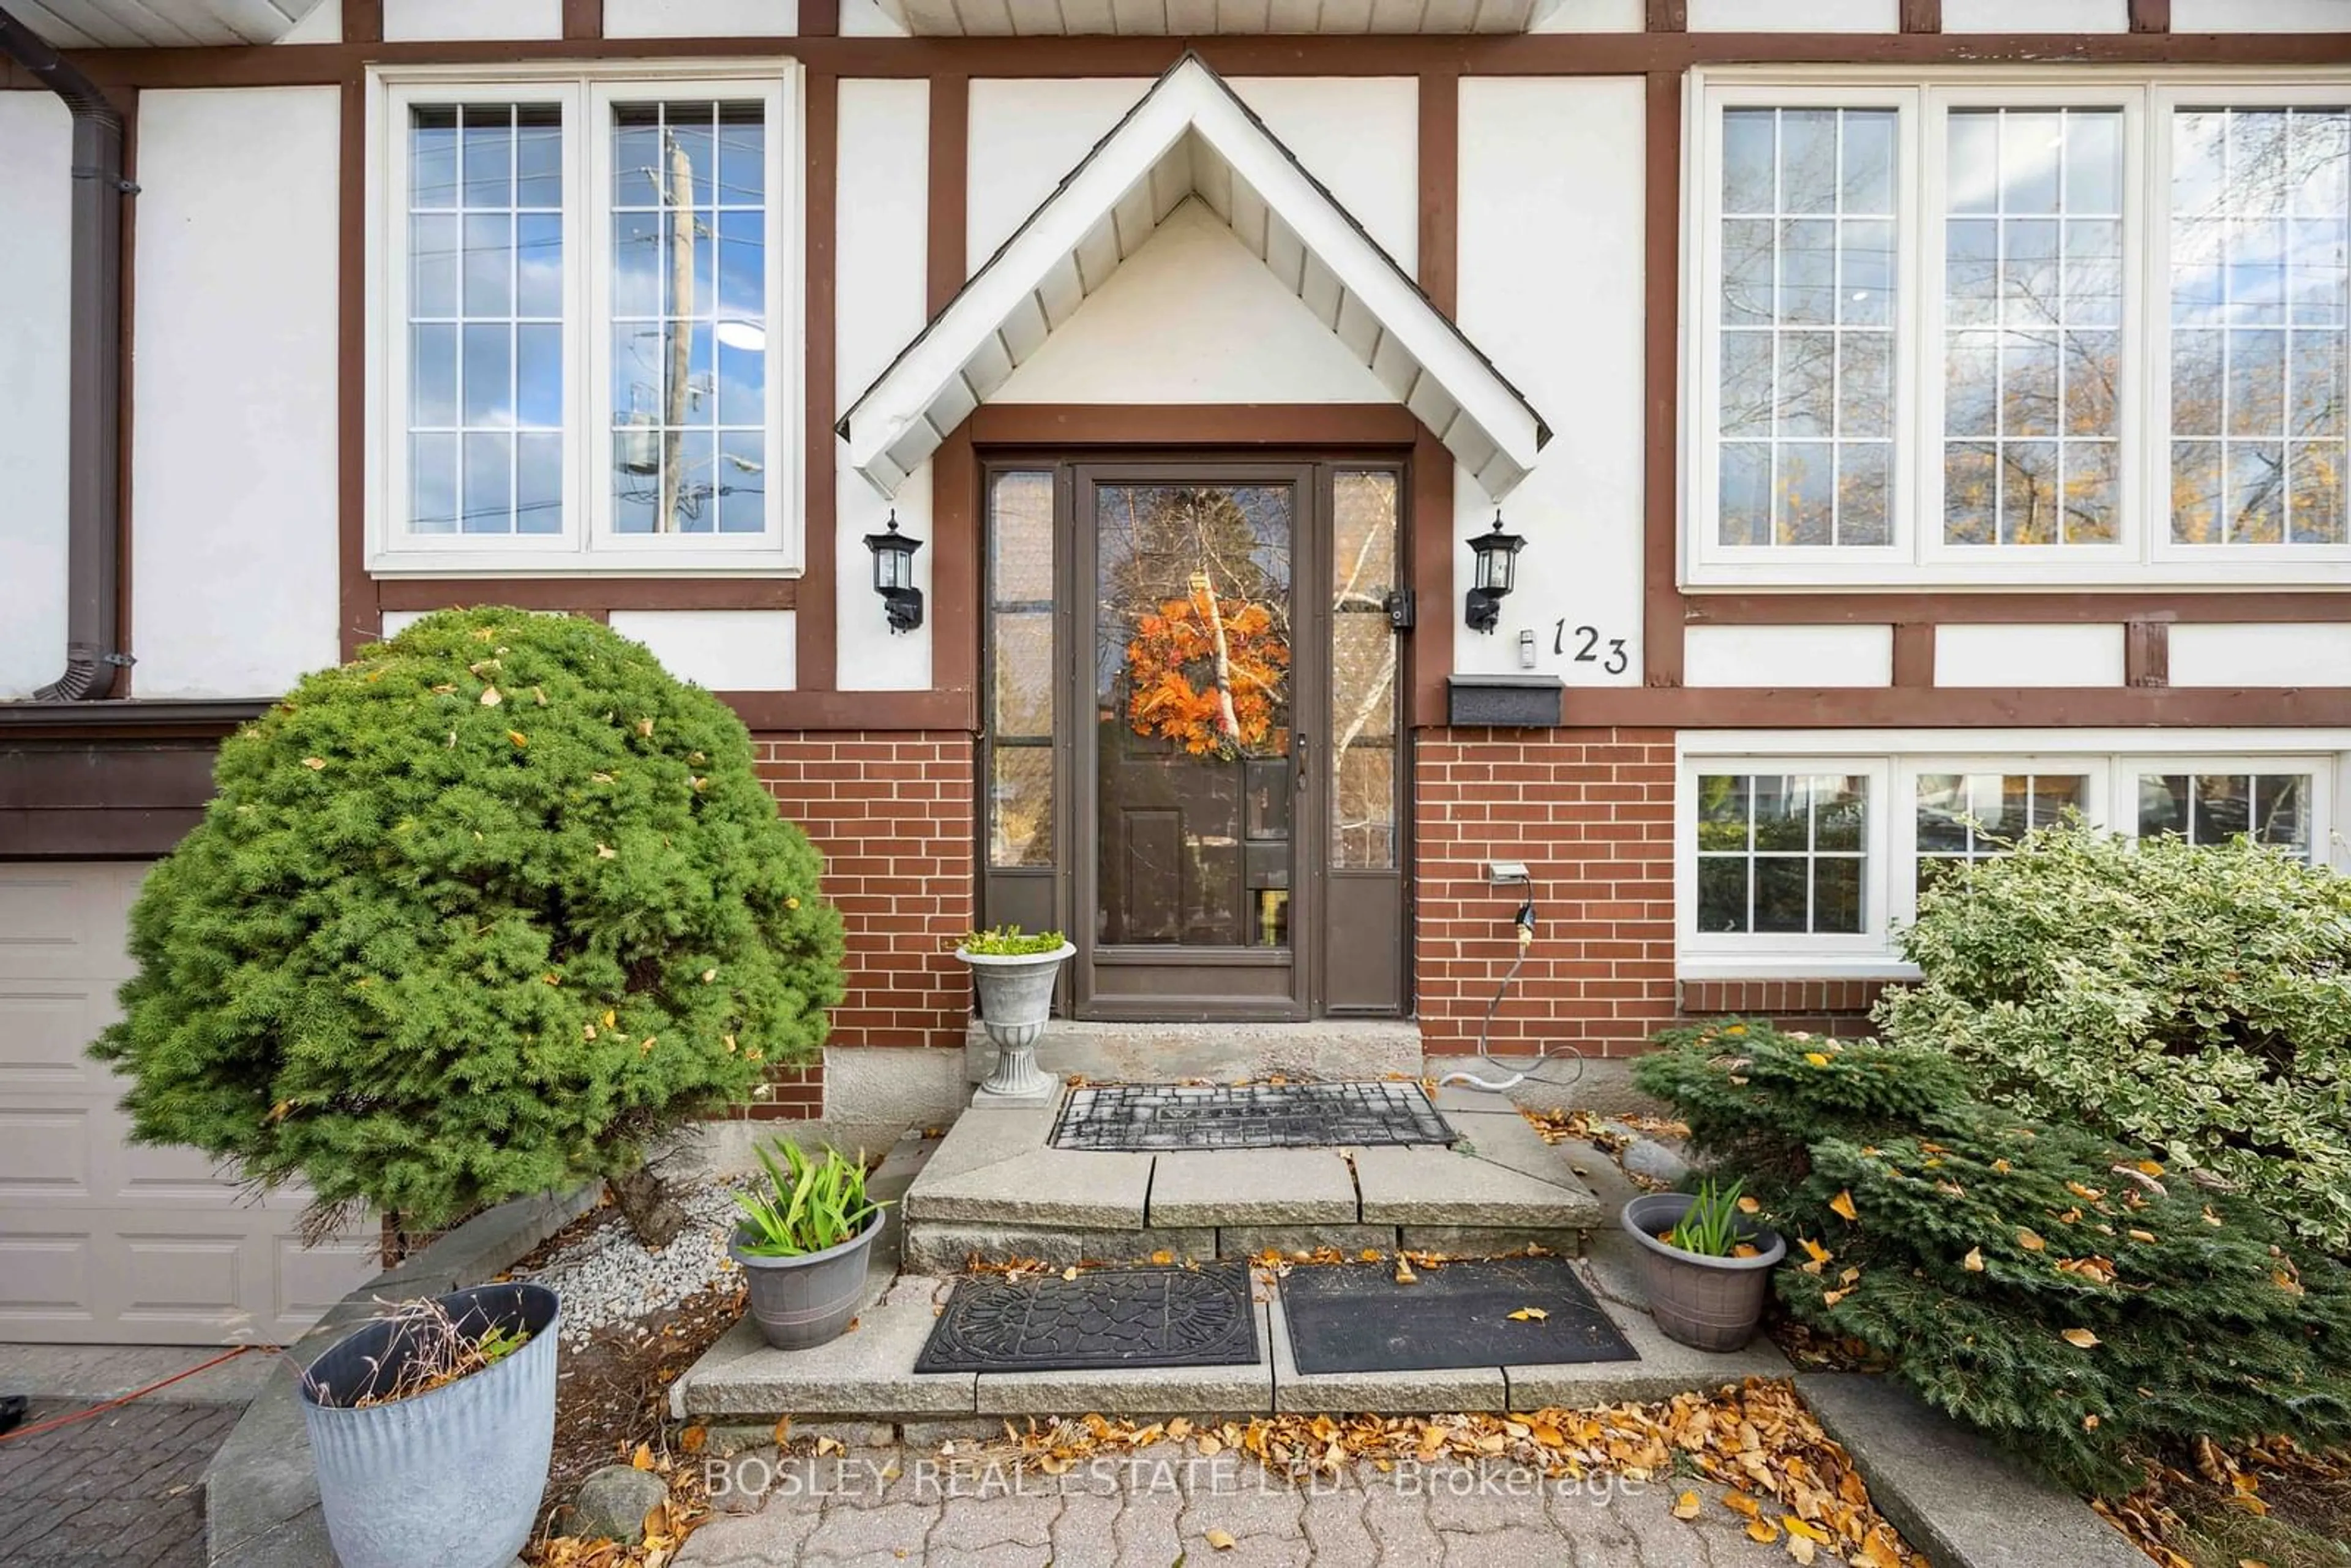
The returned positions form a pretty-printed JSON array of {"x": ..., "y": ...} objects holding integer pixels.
[{"x": 1179, "y": 651}]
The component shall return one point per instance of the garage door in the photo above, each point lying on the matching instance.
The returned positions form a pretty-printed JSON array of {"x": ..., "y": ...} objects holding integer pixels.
[{"x": 102, "y": 1243}]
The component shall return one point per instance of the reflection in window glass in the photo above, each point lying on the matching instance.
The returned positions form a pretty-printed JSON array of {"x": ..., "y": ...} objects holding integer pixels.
[
  {"x": 1365, "y": 651},
  {"x": 1964, "y": 817},
  {"x": 689, "y": 292},
  {"x": 2213, "y": 808},
  {"x": 1021, "y": 690},
  {"x": 1781, "y": 854},
  {"x": 484, "y": 419},
  {"x": 2259, "y": 204},
  {"x": 1807, "y": 315},
  {"x": 2032, "y": 316}
]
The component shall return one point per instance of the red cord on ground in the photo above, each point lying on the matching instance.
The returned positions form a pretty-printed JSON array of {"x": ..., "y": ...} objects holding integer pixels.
[{"x": 55, "y": 1422}]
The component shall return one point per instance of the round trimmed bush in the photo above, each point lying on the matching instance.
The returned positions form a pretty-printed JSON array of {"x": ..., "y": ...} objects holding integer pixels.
[{"x": 480, "y": 913}]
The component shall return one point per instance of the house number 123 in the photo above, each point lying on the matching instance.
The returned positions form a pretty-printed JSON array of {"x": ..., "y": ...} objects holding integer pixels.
[{"x": 1587, "y": 646}]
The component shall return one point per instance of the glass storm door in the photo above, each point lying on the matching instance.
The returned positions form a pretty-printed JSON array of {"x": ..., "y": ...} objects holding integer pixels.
[
  {"x": 1178, "y": 653},
  {"x": 1193, "y": 775}
]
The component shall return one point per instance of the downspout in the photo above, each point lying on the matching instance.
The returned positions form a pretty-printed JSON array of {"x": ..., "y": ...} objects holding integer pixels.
[{"x": 93, "y": 396}]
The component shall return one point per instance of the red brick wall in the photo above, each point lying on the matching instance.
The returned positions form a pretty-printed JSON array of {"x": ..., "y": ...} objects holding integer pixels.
[
  {"x": 892, "y": 812},
  {"x": 1826, "y": 1007},
  {"x": 1591, "y": 813}
]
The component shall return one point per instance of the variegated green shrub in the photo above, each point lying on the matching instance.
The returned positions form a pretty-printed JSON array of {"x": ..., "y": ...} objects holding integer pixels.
[{"x": 2196, "y": 999}]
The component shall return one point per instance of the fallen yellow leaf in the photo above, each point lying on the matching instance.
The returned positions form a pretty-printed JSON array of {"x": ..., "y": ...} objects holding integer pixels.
[
  {"x": 1163, "y": 1256},
  {"x": 1843, "y": 1203},
  {"x": 1748, "y": 1205},
  {"x": 1816, "y": 1059},
  {"x": 1973, "y": 1262},
  {"x": 1762, "y": 1529},
  {"x": 1070, "y": 1273},
  {"x": 1686, "y": 1506},
  {"x": 1529, "y": 1314},
  {"x": 643, "y": 1458},
  {"x": 1219, "y": 1539},
  {"x": 2080, "y": 1339},
  {"x": 2029, "y": 1241},
  {"x": 1818, "y": 1253}
]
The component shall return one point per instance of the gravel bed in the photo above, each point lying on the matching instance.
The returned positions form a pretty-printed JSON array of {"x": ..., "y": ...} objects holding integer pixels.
[{"x": 607, "y": 1279}]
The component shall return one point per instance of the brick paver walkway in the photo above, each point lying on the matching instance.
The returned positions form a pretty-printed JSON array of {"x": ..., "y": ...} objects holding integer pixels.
[
  {"x": 1160, "y": 1506},
  {"x": 118, "y": 1490}
]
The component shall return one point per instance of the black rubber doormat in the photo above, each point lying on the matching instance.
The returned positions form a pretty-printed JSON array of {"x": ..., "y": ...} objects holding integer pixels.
[
  {"x": 1349, "y": 1317},
  {"x": 1108, "y": 1317},
  {"x": 1172, "y": 1117}
]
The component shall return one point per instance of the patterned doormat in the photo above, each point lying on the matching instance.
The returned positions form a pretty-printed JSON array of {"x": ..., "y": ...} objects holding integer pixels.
[
  {"x": 1166, "y": 1116},
  {"x": 1108, "y": 1317},
  {"x": 1349, "y": 1317}
]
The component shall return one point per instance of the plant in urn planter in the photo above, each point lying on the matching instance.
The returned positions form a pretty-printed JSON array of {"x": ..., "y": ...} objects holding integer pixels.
[
  {"x": 1015, "y": 972},
  {"x": 1704, "y": 1264},
  {"x": 803, "y": 1244}
]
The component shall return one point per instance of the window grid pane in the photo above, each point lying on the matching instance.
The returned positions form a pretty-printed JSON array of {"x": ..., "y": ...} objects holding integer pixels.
[
  {"x": 1366, "y": 651},
  {"x": 1966, "y": 817},
  {"x": 1783, "y": 853},
  {"x": 485, "y": 320},
  {"x": 2033, "y": 327},
  {"x": 2213, "y": 808},
  {"x": 689, "y": 318},
  {"x": 2259, "y": 314},
  {"x": 1806, "y": 318}
]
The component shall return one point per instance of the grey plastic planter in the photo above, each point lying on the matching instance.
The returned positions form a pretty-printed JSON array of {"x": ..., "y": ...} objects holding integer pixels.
[
  {"x": 452, "y": 1477},
  {"x": 805, "y": 1301},
  {"x": 1706, "y": 1303},
  {"x": 1015, "y": 1000}
]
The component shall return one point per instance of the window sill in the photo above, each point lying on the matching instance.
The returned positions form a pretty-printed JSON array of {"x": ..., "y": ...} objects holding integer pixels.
[
  {"x": 1826, "y": 576},
  {"x": 571, "y": 564},
  {"x": 1793, "y": 966}
]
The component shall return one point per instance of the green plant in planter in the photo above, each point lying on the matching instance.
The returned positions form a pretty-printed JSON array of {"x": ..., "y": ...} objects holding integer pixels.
[
  {"x": 1709, "y": 1228},
  {"x": 810, "y": 1204},
  {"x": 486, "y": 912},
  {"x": 1011, "y": 942}
]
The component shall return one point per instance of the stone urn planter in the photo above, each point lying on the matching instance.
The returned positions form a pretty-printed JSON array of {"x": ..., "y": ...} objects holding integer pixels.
[
  {"x": 1706, "y": 1303},
  {"x": 452, "y": 1476},
  {"x": 803, "y": 1301},
  {"x": 1016, "y": 999}
]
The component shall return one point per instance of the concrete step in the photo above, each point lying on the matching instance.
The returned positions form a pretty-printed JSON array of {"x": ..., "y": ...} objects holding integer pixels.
[
  {"x": 996, "y": 1188},
  {"x": 868, "y": 1375},
  {"x": 1327, "y": 1049}
]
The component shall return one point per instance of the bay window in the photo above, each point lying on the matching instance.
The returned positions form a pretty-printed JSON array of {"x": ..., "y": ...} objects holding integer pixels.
[
  {"x": 584, "y": 324},
  {"x": 1962, "y": 331}
]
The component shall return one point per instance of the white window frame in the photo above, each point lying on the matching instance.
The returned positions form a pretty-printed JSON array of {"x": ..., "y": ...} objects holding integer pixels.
[
  {"x": 2166, "y": 101},
  {"x": 1896, "y": 758},
  {"x": 1792, "y": 951},
  {"x": 587, "y": 544},
  {"x": 1917, "y": 556}
]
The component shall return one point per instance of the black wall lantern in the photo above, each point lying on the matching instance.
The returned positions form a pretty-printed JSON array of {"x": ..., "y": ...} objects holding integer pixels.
[
  {"x": 893, "y": 576},
  {"x": 1498, "y": 570}
]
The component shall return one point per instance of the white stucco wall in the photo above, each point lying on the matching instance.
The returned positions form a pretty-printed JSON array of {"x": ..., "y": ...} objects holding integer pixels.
[
  {"x": 699, "y": 19},
  {"x": 2261, "y": 16},
  {"x": 1794, "y": 16},
  {"x": 722, "y": 650},
  {"x": 36, "y": 279},
  {"x": 1591, "y": 17},
  {"x": 234, "y": 588},
  {"x": 880, "y": 237},
  {"x": 2261, "y": 654},
  {"x": 1799, "y": 657},
  {"x": 2036, "y": 16},
  {"x": 1192, "y": 317},
  {"x": 1550, "y": 281},
  {"x": 1361, "y": 137},
  {"x": 1025, "y": 135},
  {"x": 2044, "y": 655},
  {"x": 408, "y": 21}
]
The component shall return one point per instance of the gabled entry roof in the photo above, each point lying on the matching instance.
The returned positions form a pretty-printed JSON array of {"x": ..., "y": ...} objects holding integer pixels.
[{"x": 1191, "y": 137}]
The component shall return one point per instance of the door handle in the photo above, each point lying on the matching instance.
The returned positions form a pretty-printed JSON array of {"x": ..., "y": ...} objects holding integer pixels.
[{"x": 1298, "y": 747}]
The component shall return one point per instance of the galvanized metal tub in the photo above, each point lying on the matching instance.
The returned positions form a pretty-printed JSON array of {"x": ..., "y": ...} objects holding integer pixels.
[{"x": 451, "y": 1478}]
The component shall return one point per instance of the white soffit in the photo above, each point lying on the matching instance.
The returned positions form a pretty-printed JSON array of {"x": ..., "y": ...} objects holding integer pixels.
[
  {"x": 1195, "y": 18},
  {"x": 166, "y": 24},
  {"x": 1191, "y": 138}
]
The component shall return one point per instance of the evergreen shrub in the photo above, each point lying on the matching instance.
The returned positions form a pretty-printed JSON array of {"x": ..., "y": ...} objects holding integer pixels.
[
  {"x": 2070, "y": 1295},
  {"x": 2193, "y": 999},
  {"x": 483, "y": 912}
]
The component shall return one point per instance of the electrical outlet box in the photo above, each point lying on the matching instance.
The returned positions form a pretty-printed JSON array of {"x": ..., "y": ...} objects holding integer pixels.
[{"x": 1501, "y": 874}]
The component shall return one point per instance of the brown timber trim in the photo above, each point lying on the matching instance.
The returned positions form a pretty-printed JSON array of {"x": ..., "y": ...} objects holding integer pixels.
[
  {"x": 1054, "y": 424},
  {"x": 950, "y": 182},
  {"x": 126, "y": 630},
  {"x": 1914, "y": 654},
  {"x": 2147, "y": 653},
  {"x": 1440, "y": 189},
  {"x": 361, "y": 612},
  {"x": 583, "y": 20},
  {"x": 816, "y": 650},
  {"x": 765, "y": 713},
  {"x": 1662, "y": 610},
  {"x": 362, "y": 22},
  {"x": 2182, "y": 605},
  {"x": 2150, "y": 15},
  {"x": 955, "y": 576},
  {"x": 583, "y": 594},
  {"x": 1668, "y": 16},
  {"x": 1922, "y": 15},
  {"x": 820, "y": 18},
  {"x": 1429, "y": 553},
  {"x": 2056, "y": 707},
  {"x": 1389, "y": 55}
]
